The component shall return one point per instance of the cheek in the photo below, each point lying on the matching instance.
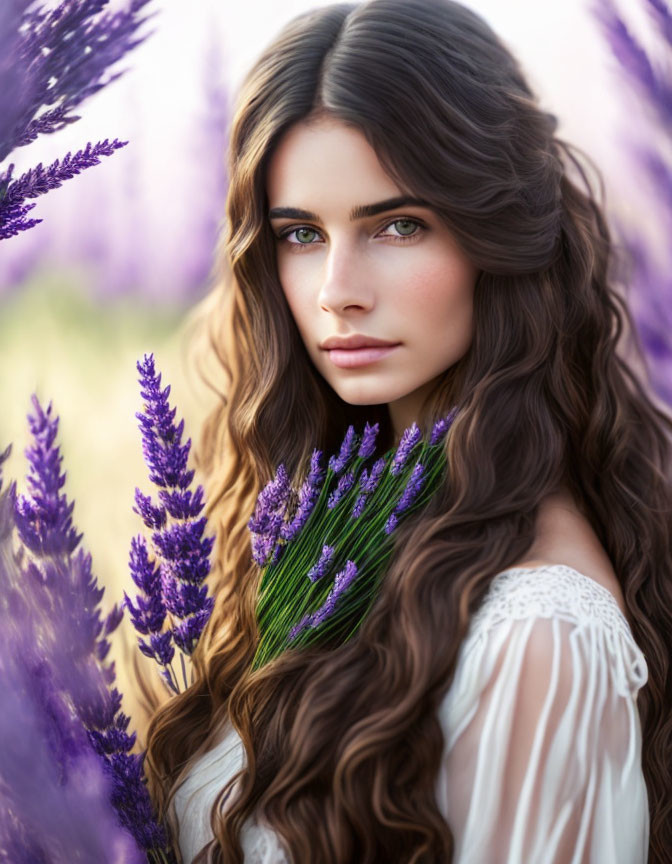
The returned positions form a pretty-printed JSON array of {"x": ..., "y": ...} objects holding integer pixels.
[
  {"x": 299, "y": 310},
  {"x": 441, "y": 295}
]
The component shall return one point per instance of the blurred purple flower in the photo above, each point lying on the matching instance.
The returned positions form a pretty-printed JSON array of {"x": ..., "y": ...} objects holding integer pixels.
[
  {"x": 55, "y": 601},
  {"x": 55, "y": 791},
  {"x": 650, "y": 294},
  {"x": 44, "y": 518},
  {"x": 58, "y": 57},
  {"x": 39, "y": 180}
]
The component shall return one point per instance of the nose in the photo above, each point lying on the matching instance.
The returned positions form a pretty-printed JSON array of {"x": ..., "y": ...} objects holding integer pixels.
[{"x": 346, "y": 280}]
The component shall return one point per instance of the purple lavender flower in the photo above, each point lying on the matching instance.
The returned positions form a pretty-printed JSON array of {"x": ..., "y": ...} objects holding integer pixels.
[
  {"x": 44, "y": 519},
  {"x": 175, "y": 587},
  {"x": 149, "y": 611},
  {"x": 61, "y": 722},
  {"x": 368, "y": 444},
  {"x": 300, "y": 627},
  {"x": 442, "y": 426},
  {"x": 318, "y": 570},
  {"x": 649, "y": 168},
  {"x": 358, "y": 509},
  {"x": 47, "y": 815},
  {"x": 409, "y": 439},
  {"x": 47, "y": 63},
  {"x": 369, "y": 484},
  {"x": 39, "y": 180},
  {"x": 338, "y": 463},
  {"x": 415, "y": 483},
  {"x": 342, "y": 582},
  {"x": 413, "y": 486},
  {"x": 44, "y": 523},
  {"x": 630, "y": 53},
  {"x": 308, "y": 495},
  {"x": 391, "y": 523},
  {"x": 344, "y": 484},
  {"x": 269, "y": 513}
]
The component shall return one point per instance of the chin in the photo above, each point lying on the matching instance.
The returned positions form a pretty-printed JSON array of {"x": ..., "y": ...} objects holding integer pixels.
[{"x": 373, "y": 398}]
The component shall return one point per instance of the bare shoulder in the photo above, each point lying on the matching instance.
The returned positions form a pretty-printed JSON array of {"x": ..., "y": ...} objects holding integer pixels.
[{"x": 564, "y": 535}]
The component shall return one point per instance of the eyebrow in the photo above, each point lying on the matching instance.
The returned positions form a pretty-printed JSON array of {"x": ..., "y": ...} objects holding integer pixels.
[{"x": 361, "y": 211}]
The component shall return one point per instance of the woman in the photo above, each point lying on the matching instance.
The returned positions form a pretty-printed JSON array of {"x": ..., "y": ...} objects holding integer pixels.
[{"x": 492, "y": 707}]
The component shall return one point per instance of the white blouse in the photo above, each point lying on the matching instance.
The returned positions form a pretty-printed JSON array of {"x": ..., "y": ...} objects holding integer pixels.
[{"x": 542, "y": 755}]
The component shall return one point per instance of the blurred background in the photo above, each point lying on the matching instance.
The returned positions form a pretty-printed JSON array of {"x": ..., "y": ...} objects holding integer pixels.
[{"x": 125, "y": 249}]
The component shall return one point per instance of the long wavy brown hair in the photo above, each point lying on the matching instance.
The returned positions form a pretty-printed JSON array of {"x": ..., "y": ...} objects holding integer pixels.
[{"x": 343, "y": 746}]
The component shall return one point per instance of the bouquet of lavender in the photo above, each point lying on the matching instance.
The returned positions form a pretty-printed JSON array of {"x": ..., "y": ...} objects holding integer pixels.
[
  {"x": 340, "y": 524},
  {"x": 70, "y": 787}
]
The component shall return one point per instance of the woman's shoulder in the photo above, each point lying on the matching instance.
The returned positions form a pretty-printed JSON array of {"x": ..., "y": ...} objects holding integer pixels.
[
  {"x": 547, "y": 590},
  {"x": 550, "y": 620},
  {"x": 556, "y": 603}
]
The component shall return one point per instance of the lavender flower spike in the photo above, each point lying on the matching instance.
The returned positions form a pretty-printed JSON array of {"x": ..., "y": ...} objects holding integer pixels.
[
  {"x": 308, "y": 495},
  {"x": 149, "y": 611},
  {"x": 368, "y": 444},
  {"x": 318, "y": 571},
  {"x": 342, "y": 582},
  {"x": 368, "y": 484},
  {"x": 268, "y": 516},
  {"x": 176, "y": 586},
  {"x": 344, "y": 484},
  {"x": 55, "y": 58},
  {"x": 371, "y": 482},
  {"x": 338, "y": 463},
  {"x": 413, "y": 486},
  {"x": 52, "y": 625},
  {"x": 358, "y": 509},
  {"x": 442, "y": 426},
  {"x": 44, "y": 519},
  {"x": 409, "y": 439},
  {"x": 409, "y": 494}
]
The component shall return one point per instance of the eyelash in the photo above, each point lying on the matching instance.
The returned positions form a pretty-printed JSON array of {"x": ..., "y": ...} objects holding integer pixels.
[{"x": 402, "y": 237}]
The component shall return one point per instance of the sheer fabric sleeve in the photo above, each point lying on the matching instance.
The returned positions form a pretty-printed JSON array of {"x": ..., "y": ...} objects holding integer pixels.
[{"x": 542, "y": 763}]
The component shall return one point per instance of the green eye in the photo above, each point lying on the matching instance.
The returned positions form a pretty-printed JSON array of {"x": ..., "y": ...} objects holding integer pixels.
[
  {"x": 409, "y": 224},
  {"x": 298, "y": 232}
]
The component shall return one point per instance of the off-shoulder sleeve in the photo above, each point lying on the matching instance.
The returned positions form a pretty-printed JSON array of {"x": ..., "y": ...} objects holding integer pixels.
[{"x": 542, "y": 763}]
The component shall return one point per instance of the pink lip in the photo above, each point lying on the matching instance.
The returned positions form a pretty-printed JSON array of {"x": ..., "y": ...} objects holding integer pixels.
[{"x": 349, "y": 358}]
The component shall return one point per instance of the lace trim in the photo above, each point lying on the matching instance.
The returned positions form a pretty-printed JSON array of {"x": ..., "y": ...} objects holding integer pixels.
[{"x": 561, "y": 591}]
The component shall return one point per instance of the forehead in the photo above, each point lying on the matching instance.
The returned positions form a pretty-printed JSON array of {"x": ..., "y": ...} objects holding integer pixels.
[{"x": 325, "y": 159}]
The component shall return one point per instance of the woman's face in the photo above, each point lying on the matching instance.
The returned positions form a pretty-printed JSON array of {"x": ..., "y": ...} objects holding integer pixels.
[{"x": 394, "y": 273}]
